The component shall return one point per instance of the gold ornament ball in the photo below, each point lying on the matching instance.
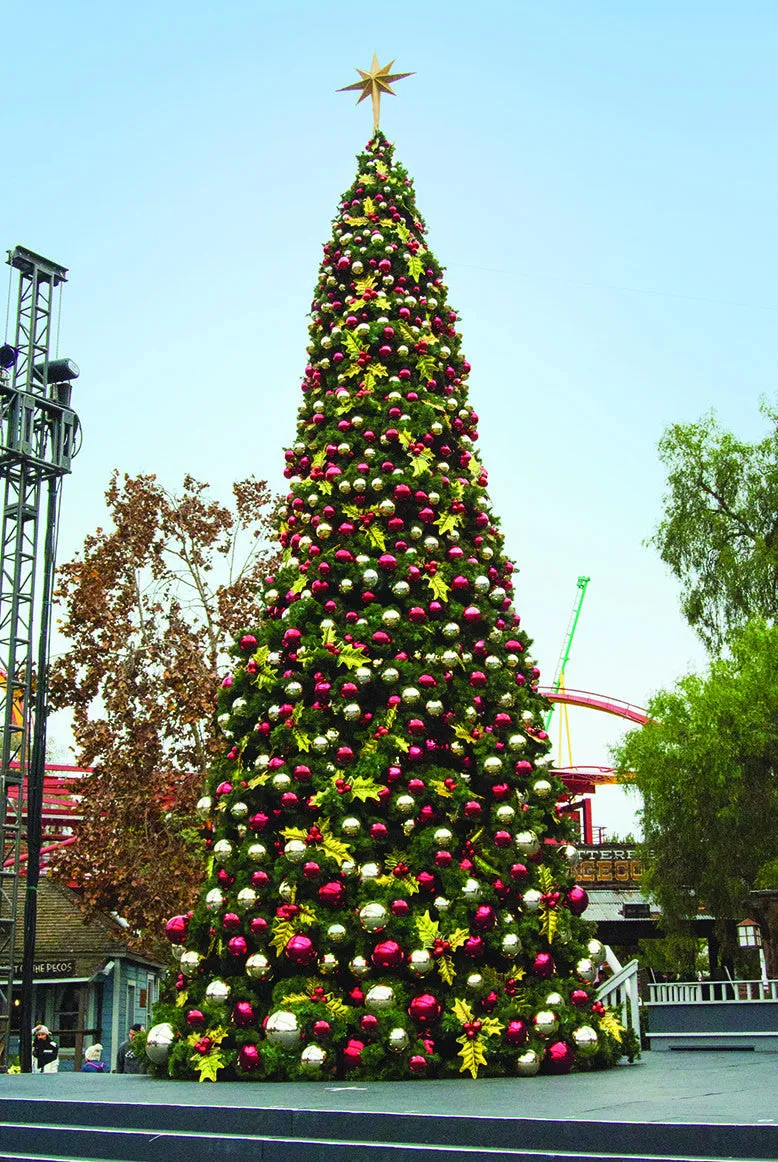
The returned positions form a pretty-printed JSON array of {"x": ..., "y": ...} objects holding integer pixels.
[
  {"x": 391, "y": 618},
  {"x": 286, "y": 890},
  {"x": 442, "y": 904},
  {"x": 398, "y": 1040},
  {"x": 510, "y": 945},
  {"x": 256, "y": 852},
  {"x": 313, "y": 1058},
  {"x": 405, "y": 804},
  {"x": 258, "y": 967},
  {"x": 336, "y": 933},
  {"x": 471, "y": 891},
  {"x": 370, "y": 871},
  {"x": 505, "y": 813},
  {"x": 442, "y": 835},
  {"x": 596, "y": 952},
  {"x": 555, "y": 1000},
  {"x": 420, "y": 962},
  {"x": 531, "y": 900},
  {"x": 585, "y": 1040},
  {"x": 203, "y": 807},
  {"x": 586, "y": 969},
  {"x": 527, "y": 843},
  {"x": 474, "y": 982},
  {"x": 359, "y": 966},
  {"x": 410, "y": 695},
  {"x": 218, "y": 991},
  {"x": 189, "y": 962},
  {"x": 222, "y": 849},
  {"x": 546, "y": 1022},
  {"x": 380, "y": 996},
  {"x": 281, "y": 1028},
  {"x": 282, "y": 781},
  {"x": 159, "y": 1042},
  {"x": 542, "y": 788},
  {"x": 247, "y": 897},
  {"x": 492, "y": 765},
  {"x": 214, "y": 899},
  {"x": 351, "y": 825},
  {"x": 527, "y": 1063},
  {"x": 352, "y": 712},
  {"x": 295, "y": 850},
  {"x": 373, "y": 917},
  {"x": 328, "y": 963}
]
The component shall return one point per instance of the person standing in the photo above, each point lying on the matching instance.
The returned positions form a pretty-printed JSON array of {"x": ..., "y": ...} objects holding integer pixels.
[
  {"x": 92, "y": 1062},
  {"x": 126, "y": 1059},
  {"x": 45, "y": 1051}
]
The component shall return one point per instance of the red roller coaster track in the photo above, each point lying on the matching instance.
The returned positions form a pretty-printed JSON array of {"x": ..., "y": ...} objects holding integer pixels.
[{"x": 592, "y": 701}]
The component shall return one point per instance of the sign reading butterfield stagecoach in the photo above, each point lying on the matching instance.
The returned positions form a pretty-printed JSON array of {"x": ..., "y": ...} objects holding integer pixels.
[{"x": 609, "y": 867}]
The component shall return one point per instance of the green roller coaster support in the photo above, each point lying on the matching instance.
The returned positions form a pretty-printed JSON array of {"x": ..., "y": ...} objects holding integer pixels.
[{"x": 564, "y": 656}]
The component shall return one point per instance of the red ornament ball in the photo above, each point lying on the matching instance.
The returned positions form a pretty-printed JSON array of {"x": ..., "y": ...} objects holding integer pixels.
[
  {"x": 237, "y": 946},
  {"x": 387, "y": 954},
  {"x": 559, "y": 1058},
  {"x": 332, "y": 894},
  {"x": 248, "y": 1057},
  {"x": 352, "y": 1053},
  {"x": 516, "y": 1032},
  {"x": 300, "y": 950},
  {"x": 194, "y": 1018},
  {"x": 417, "y": 1063},
  {"x": 424, "y": 1008},
  {"x": 400, "y": 908},
  {"x": 321, "y": 1029},
  {"x": 543, "y": 965},
  {"x": 579, "y": 998},
  {"x": 175, "y": 929},
  {"x": 577, "y": 900},
  {"x": 243, "y": 1014}
]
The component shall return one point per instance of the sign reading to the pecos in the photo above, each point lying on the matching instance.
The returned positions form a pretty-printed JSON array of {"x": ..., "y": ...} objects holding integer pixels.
[
  {"x": 609, "y": 866},
  {"x": 54, "y": 968}
]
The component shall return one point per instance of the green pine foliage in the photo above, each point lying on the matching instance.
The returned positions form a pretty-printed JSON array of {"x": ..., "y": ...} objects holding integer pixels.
[{"x": 390, "y": 887}]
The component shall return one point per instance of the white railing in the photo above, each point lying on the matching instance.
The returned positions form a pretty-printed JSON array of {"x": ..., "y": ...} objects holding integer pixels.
[
  {"x": 620, "y": 991},
  {"x": 700, "y": 992}
]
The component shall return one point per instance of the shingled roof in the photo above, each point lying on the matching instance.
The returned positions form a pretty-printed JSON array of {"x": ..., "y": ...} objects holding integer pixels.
[{"x": 65, "y": 933}]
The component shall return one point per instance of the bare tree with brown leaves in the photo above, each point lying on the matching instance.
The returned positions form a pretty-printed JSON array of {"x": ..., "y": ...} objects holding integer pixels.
[{"x": 151, "y": 605}]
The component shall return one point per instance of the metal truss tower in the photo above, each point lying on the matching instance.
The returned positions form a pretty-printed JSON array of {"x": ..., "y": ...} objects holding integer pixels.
[{"x": 38, "y": 439}]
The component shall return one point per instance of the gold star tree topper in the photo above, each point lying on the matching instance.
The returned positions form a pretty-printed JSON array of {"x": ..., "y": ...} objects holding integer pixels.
[{"x": 373, "y": 84}]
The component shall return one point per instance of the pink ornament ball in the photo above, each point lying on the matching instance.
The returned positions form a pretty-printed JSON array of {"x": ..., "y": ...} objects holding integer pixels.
[
  {"x": 418, "y": 1063},
  {"x": 195, "y": 1018},
  {"x": 236, "y": 946}
]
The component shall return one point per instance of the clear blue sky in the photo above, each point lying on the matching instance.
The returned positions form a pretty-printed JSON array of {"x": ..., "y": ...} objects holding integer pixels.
[{"x": 598, "y": 178}]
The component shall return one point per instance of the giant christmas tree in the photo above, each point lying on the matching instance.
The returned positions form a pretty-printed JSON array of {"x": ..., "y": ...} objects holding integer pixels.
[{"x": 390, "y": 885}]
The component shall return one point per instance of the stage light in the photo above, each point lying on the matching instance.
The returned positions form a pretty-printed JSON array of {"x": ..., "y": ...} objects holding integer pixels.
[
  {"x": 57, "y": 370},
  {"x": 7, "y": 356}
]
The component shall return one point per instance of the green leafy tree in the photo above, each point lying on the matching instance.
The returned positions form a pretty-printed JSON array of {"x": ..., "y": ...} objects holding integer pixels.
[
  {"x": 150, "y": 606},
  {"x": 706, "y": 769},
  {"x": 390, "y": 890},
  {"x": 719, "y": 533}
]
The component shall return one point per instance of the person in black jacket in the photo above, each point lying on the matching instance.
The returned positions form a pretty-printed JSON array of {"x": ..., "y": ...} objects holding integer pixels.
[
  {"x": 126, "y": 1060},
  {"x": 44, "y": 1050}
]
